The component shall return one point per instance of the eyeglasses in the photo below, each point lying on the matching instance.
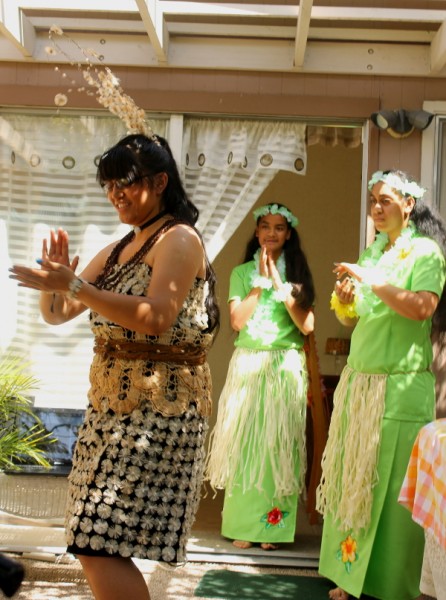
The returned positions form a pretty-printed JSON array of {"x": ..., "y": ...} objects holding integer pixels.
[{"x": 119, "y": 184}]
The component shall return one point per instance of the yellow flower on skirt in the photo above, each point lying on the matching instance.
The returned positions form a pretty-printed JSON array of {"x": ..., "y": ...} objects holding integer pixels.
[{"x": 348, "y": 553}]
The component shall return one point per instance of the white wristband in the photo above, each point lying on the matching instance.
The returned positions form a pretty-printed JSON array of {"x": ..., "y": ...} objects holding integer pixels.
[
  {"x": 261, "y": 281},
  {"x": 74, "y": 287},
  {"x": 283, "y": 292}
]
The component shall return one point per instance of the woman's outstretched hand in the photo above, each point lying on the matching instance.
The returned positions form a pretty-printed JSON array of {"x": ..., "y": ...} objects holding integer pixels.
[
  {"x": 370, "y": 276},
  {"x": 56, "y": 270},
  {"x": 351, "y": 269},
  {"x": 51, "y": 277}
]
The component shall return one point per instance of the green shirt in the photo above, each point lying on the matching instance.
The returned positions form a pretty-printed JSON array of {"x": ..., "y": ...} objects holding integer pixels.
[
  {"x": 384, "y": 341},
  {"x": 270, "y": 327}
]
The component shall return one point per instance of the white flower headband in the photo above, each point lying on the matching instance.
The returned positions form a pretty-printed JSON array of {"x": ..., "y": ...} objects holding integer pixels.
[
  {"x": 275, "y": 209},
  {"x": 108, "y": 92},
  {"x": 406, "y": 188}
]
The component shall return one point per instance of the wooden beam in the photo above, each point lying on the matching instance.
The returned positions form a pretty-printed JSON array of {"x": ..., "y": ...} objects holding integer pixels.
[
  {"x": 372, "y": 35},
  {"x": 10, "y": 50},
  {"x": 113, "y": 49},
  {"x": 288, "y": 32},
  {"x": 11, "y": 26},
  {"x": 239, "y": 54},
  {"x": 122, "y": 25},
  {"x": 388, "y": 15},
  {"x": 438, "y": 49},
  {"x": 303, "y": 27},
  {"x": 148, "y": 11},
  {"x": 356, "y": 58},
  {"x": 74, "y": 7},
  {"x": 336, "y": 13}
]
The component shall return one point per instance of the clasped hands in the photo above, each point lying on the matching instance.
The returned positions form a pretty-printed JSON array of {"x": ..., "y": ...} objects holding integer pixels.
[
  {"x": 268, "y": 269},
  {"x": 56, "y": 271}
]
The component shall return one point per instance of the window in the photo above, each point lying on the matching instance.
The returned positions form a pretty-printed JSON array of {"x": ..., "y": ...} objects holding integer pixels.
[
  {"x": 433, "y": 162},
  {"x": 440, "y": 163},
  {"x": 47, "y": 181}
]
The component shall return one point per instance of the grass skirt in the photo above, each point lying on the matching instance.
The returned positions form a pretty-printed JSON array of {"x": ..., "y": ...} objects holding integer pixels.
[
  {"x": 261, "y": 421},
  {"x": 349, "y": 462}
]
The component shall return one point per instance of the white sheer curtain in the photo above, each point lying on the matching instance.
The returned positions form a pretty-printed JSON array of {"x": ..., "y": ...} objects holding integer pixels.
[
  {"x": 228, "y": 163},
  {"x": 48, "y": 180}
]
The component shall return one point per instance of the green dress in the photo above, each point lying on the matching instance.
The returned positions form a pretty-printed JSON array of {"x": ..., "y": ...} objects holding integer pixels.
[
  {"x": 370, "y": 544},
  {"x": 257, "y": 448}
]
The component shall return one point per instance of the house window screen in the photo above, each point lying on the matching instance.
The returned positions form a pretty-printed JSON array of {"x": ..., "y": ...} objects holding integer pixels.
[{"x": 47, "y": 181}]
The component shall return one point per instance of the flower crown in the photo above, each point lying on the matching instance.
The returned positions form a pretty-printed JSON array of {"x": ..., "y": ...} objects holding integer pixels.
[
  {"x": 108, "y": 92},
  {"x": 275, "y": 209},
  {"x": 406, "y": 188}
]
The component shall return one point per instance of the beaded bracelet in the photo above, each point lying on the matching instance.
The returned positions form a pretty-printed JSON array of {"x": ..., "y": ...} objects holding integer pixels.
[{"x": 74, "y": 287}]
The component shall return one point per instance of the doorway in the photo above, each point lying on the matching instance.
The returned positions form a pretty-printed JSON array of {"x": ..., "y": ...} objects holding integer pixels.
[{"x": 328, "y": 203}]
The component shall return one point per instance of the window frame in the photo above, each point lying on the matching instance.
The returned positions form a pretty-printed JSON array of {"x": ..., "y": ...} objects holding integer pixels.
[{"x": 432, "y": 149}]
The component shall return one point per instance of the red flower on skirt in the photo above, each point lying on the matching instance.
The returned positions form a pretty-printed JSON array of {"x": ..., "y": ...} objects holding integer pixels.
[{"x": 274, "y": 517}]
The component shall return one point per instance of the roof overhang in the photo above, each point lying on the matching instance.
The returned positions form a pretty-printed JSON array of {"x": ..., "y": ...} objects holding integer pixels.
[{"x": 369, "y": 38}]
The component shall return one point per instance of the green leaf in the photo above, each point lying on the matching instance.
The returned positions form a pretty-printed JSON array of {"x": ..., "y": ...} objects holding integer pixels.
[{"x": 15, "y": 444}]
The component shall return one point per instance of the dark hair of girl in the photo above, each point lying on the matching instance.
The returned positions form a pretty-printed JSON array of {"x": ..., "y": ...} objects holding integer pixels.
[
  {"x": 429, "y": 223},
  {"x": 296, "y": 265},
  {"x": 137, "y": 157}
]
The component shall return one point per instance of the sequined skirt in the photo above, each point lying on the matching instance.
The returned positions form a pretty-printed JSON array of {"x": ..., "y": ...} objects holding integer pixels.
[{"x": 135, "y": 485}]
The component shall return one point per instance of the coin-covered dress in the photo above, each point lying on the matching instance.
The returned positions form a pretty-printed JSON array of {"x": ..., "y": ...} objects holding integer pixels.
[{"x": 137, "y": 470}]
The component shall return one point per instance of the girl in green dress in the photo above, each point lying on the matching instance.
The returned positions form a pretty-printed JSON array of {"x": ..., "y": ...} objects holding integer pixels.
[
  {"x": 370, "y": 544},
  {"x": 257, "y": 448}
]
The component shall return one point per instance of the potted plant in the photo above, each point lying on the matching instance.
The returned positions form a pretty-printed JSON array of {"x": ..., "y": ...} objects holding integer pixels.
[{"x": 16, "y": 443}]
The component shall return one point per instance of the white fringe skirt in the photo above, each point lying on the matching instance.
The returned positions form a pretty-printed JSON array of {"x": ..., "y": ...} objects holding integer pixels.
[
  {"x": 261, "y": 415},
  {"x": 349, "y": 462}
]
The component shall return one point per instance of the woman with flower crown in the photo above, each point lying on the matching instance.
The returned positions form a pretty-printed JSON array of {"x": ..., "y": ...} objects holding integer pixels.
[
  {"x": 257, "y": 448},
  {"x": 138, "y": 462},
  {"x": 370, "y": 545}
]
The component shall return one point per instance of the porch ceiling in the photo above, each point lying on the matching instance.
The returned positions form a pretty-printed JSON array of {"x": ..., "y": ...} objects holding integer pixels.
[{"x": 363, "y": 37}]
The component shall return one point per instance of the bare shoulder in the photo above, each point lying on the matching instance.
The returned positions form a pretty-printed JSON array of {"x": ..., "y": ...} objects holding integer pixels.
[
  {"x": 180, "y": 248},
  {"x": 182, "y": 236},
  {"x": 183, "y": 230}
]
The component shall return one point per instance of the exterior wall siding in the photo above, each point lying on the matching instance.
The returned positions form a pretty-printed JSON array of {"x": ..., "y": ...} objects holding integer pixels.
[{"x": 247, "y": 93}]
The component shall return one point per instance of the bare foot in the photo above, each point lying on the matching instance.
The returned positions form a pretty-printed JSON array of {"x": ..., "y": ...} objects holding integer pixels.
[
  {"x": 338, "y": 594},
  {"x": 269, "y": 546},
  {"x": 242, "y": 544}
]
